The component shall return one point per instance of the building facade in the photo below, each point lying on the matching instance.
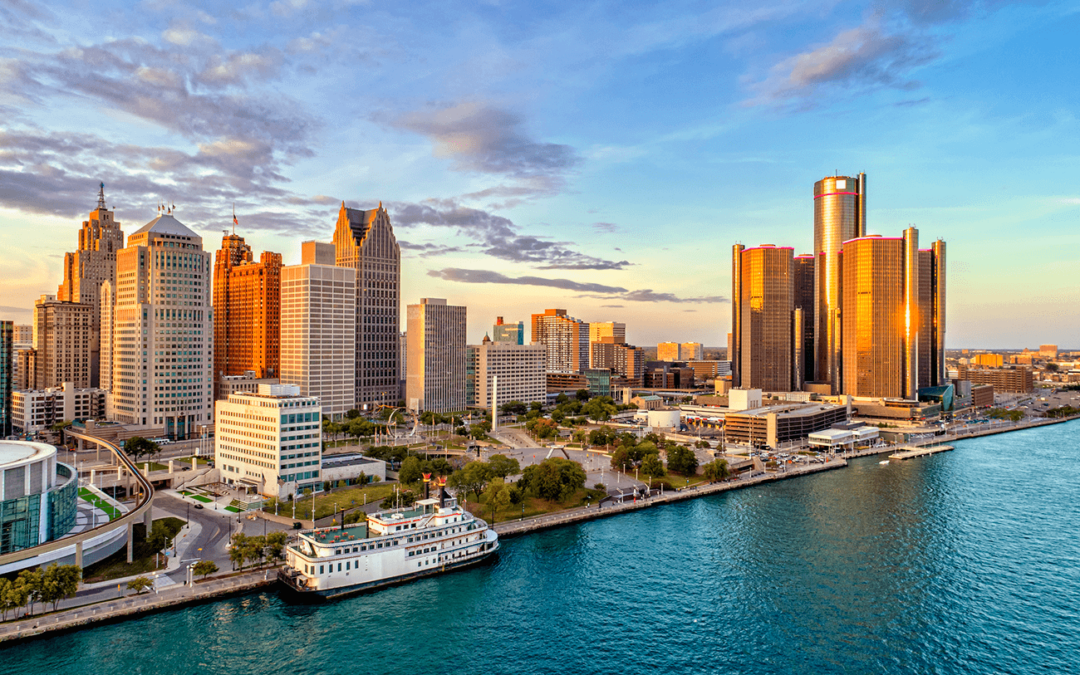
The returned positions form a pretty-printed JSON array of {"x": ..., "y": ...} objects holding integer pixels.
[
  {"x": 63, "y": 342},
  {"x": 839, "y": 216},
  {"x": 1015, "y": 380},
  {"x": 508, "y": 332},
  {"x": 598, "y": 330},
  {"x": 437, "y": 357},
  {"x": 270, "y": 441},
  {"x": 7, "y": 375},
  {"x": 668, "y": 351},
  {"x": 247, "y": 311},
  {"x": 566, "y": 340},
  {"x": 318, "y": 329},
  {"x": 38, "y": 495},
  {"x": 802, "y": 276},
  {"x": 763, "y": 313},
  {"x": 364, "y": 241},
  {"x": 35, "y": 410},
  {"x": 85, "y": 269},
  {"x": 521, "y": 371},
  {"x": 160, "y": 322},
  {"x": 691, "y": 351},
  {"x": 626, "y": 361}
]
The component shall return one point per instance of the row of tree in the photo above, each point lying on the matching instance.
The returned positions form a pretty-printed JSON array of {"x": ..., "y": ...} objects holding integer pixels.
[
  {"x": 48, "y": 586},
  {"x": 247, "y": 549}
]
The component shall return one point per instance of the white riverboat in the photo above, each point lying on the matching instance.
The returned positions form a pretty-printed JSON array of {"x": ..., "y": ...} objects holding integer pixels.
[{"x": 435, "y": 536}]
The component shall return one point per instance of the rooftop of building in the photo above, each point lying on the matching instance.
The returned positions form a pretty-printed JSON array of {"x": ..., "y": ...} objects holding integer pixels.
[
  {"x": 166, "y": 223},
  {"x": 349, "y": 459},
  {"x": 19, "y": 452},
  {"x": 787, "y": 410}
]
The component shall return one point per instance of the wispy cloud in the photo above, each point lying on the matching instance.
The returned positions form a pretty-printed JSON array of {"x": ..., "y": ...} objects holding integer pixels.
[{"x": 590, "y": 290}]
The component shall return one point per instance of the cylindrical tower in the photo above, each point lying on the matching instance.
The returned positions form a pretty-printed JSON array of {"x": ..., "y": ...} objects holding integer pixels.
[{"x": 837, "y": 218}]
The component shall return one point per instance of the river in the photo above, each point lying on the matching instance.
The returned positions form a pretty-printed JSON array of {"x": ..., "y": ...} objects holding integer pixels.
[{"x": 964, "y": 562}]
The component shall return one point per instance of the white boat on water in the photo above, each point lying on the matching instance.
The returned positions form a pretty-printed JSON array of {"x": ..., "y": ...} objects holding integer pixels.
[
  {"x": 884, "y": 461},
  {"x": 434, "y": 536}
]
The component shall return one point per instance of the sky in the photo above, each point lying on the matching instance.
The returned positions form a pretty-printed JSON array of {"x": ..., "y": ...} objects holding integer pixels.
[{"x": 600, "y": 157}]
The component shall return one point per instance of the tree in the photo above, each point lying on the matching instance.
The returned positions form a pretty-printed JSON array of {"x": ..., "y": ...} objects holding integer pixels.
[
  {"x": 554, "y": 479},
  {"x": 581, "y": 436},
  {"x": 514, "y": 408},
  {"x": 139, "y": 585},
  {"x": 31, "y": 583},
  {"x": 410, "y": 471},
  {"x": 652, "y": 466},
  {"x": 603, "y": 436},
  {"x": 158, "y": 536},
  {"x": 236, "y": 551},
  {"x": 352, "y": 414},
  {"x": 59, "y": 582},
  {"x": 11, "y": 598},
  {"x": 682, "y": 460},
  {"x": 716, "y": 470},
  {"x": 536, "y": 406},
  {"x": 137, "y": 447},
  {"x": 620, "y": 459},
  {"x": 275, "y": 544},
  {"x": 561, "y": 398},
  {"x": 205, "y": 568},
  {"x": 600, "y": 408},
  {"x": 582, "y": 395},
  {"x": 471, "y": 478},
  {"x": 503, "y": 466},
  {"x": 497, "y": 496}
]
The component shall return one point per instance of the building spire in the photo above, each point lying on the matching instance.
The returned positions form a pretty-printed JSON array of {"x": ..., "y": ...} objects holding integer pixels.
[{"x": 101, "y": 196}]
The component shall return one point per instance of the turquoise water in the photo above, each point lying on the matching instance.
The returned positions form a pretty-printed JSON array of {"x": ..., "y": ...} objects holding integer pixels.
[{"x": 965, "y": 562}]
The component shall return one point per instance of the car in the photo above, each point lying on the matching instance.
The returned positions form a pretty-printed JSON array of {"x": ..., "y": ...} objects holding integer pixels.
[
  {"x": 198, "y": 506},
  {"x": 297, "y": 526}
]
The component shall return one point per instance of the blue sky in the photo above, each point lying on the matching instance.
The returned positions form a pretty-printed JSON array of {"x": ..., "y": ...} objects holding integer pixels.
[{"x": 600, "y": 157}]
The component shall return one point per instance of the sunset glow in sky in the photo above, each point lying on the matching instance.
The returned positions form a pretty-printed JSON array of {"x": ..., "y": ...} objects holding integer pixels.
[{"x": 600, "y": 157}]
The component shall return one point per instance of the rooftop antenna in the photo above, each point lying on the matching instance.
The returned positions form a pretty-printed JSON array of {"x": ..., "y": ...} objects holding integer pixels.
[{"x": 101, "y": 196}]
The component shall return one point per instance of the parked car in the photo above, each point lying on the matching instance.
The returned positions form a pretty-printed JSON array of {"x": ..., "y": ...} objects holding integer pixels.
[
  {"x": 198, "y": 506},
  {"x": 297, "y": 526}
]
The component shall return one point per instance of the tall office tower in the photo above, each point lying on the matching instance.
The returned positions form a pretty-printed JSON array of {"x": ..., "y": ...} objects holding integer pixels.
[
  {"x": 23, "y": 336},
  {"x": 939, "y": 375},
  {"x": 839, "y": 215},
  {"x": 7, "y": 345},
  {"x": 620, "y": 358},
  {"x": 247, "y": 312},
  {"x": 63, "y": 341},
  {"x": 520, "y": 368},
  {"x": 318, "y": 329},
  {"x": 566, "y": 340},
  {"x": 890, "y": 327},
  {"x": 508, "y": 332},
  {"x": 668, "y": 351},
  {"x": 692, "y": 351},
  {"x": 604, "y": 329},
  {"x": 162, "y": 358},
  {"x": 437, "y": 356},
  {"x": 803, "y": 288},
  {"x": 22, "y": 340},
  {"x": 365, "y": 242},
  {"x": 87, "y": 268},
  {"x": 763, "y": 311}
]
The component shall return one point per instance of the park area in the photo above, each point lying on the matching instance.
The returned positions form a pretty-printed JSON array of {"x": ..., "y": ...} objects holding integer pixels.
[{"x": 87, "y": 496}]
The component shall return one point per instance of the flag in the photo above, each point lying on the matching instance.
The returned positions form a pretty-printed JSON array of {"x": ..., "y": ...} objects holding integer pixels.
[{"x": 234, "y": 220}]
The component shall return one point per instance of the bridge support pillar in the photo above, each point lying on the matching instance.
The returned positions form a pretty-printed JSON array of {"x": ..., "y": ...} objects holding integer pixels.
[
  {"x": 148, "y": 520},
  {"x": 78, "y": 554},
  {"x": 130, "y": 542}
]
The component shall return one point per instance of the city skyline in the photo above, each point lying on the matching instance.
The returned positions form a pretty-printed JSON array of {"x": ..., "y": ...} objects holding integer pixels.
[{"x": 517, "y": 165}]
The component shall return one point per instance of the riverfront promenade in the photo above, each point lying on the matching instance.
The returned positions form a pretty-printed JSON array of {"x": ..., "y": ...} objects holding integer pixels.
[{"x": 121, "y": 608}]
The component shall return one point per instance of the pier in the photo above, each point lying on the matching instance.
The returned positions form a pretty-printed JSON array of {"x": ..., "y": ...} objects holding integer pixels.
[{"x": 913, "y": 452}]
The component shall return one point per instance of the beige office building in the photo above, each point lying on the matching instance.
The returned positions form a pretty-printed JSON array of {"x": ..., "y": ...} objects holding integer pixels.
[
  {"x": 364, "y": 241},
  {"x": 520, "y": 368},
  {"x": 33, "y": 410},
  {"x": 93, "y": 264},
  {"x": 161, "y": 331},
  {"x": 63, "y": 340},
  {"x": 669, "y": 351},
  {"x": 566, "y": 340},
  {"x": 605, "y": 329},
  {"x": 270, "y": 440},
  {"x": 318, "y": 329},
  {"x": 437, "y": 357},
  {"x": 691, "y": 351},
  {"x": 621, "y": 359}
]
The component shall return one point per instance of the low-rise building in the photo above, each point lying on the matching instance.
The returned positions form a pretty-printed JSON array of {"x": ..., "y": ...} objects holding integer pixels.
[
  {"x": 772, "y": 425},
  {"x": 349, "y": 467},
  {"x": 249, "y": 382},
  {"x": 1007, "y": 380},
  {"x": 35, "y": 410},
  {"x": 270, "y": 441},
  {"x": 649, "y": 402}
]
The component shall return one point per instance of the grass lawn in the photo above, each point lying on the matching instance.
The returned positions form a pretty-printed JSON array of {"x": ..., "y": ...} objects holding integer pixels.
[
  {"x": 233, "y": 509},
  {"x": 116, "y": 565},
  {"x": 200, "y": 498},
  {"x": 88, "y": 496},
  {"x": 675, "y": 481},
  {"x": 324, "y": 503},
  {"x": 192, "y": 461},
  {"x": 154, "y": 466},
  {"x": 534, "y": 506}
]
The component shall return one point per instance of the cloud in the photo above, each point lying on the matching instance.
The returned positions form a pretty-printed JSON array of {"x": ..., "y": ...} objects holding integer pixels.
[
  {"x": 605, "y": 227},
  {"x": 480, "y": 138},
  {"x": 183, "y": 35},
  {"x": 7, "y": 309},
  {"x": 593, "y": 290},
  {"x": 862, "y": 58},
  {"x": 497, "y": 236},
  {"x": 429, "y": 250},
  {"x": 614, "y": 306}
]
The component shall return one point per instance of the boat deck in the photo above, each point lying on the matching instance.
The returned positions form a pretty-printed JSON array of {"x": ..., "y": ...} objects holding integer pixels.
[{"x": 336, "y": 534}]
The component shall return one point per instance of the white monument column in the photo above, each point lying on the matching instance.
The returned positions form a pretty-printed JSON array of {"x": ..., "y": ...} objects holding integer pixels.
[{"x": 494, "y": 402}]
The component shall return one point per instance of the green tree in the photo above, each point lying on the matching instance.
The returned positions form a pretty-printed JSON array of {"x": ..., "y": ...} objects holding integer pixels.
[
  {"x": 514, "y": 408},
  {"x": 10, "y": 597},
  {"x": 471, "y": 478},
  {"x": 503, "y": 466},
  {"x": 497, "y": 495},
  {"x": 600, "y": 408},
  {"x": 652, "y": 466},
  {"x": 536, "y": 406},
  {"x": 159, "y": 536},
  {"x": 582, "y": 395},
  {"x": 561, "y": 398},
  {"x": 140, "y": 585},
  {"x": 716, "y": 470},
  {"x": 236, "y": 550},
  {"x": 620, "y": 459},
  {"x": 352, "y": 414},
  {"x": 205, "y": 568},
  {"x": 682, "y": 460},
  {"x": 59, "y": 582},
  {"x": 554, "y": 479},
  {"x": 410, "y": 471},
  {"x": 31, "y": 582},
  {"x": 137, "y": 447},
  {"x": 275, "y": 545}
]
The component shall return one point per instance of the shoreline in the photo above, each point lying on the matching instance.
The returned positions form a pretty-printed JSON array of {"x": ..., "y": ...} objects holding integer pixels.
[{"x": 113, "y": 611}]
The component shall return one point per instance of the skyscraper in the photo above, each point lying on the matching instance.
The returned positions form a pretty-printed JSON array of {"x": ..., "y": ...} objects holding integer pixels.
[
  {"x": 365, "y": 242},
  {"x": 247, "y": 311},
  {"x": 88, "y": 267},
  {"x": 598, "y": 330},
  {"x": 63, "y": 342},
  {"x": 318, "y": 329},
  {"x": 162, "y": 330},
  {"x": 803, "y": 288},
  {"x": 566, "y": 340},
  {"x": 626, "y": 361},
  {"x": 839, "y": 215},
  {"x": 890, "y": 327},
  {"x": 437, "y": 357},
  {"x": 7, "y": 344},
  {"x": 508, "y": 332},
  {"x": 763, "y": 312}
]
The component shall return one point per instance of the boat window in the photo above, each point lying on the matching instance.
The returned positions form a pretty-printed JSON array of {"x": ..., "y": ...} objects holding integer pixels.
[
  {"x": 320, "y": 569},
  {"x": 339, "y": 567},
  {"x": 347, "y": 565}
]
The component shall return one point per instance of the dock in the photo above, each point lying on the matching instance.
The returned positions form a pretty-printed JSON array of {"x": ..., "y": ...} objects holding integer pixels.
[{"x": 911, "y": 453}]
